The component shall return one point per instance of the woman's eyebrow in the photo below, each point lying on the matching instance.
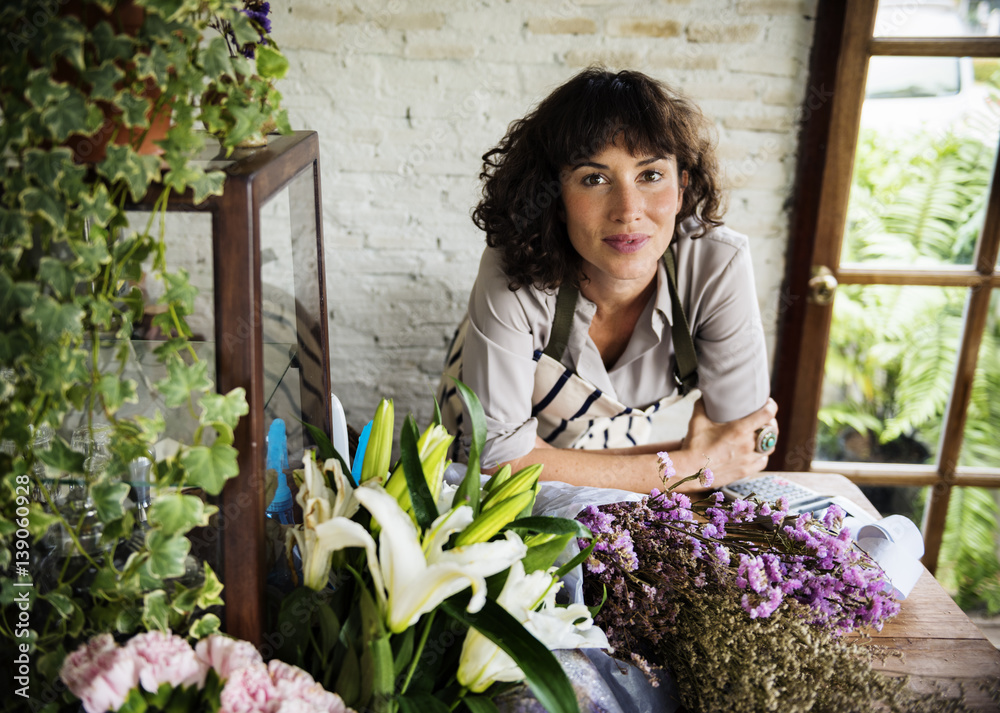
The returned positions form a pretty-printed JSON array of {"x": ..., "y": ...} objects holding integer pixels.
[{"x": 602, "y": 167}]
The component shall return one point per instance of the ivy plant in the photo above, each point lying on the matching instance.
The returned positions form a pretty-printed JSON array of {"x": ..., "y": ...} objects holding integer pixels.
[{"x": 71, "y": 76}]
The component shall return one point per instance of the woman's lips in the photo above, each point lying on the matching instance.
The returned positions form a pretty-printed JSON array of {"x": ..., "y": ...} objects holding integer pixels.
[{"x": 627, "y": 242}]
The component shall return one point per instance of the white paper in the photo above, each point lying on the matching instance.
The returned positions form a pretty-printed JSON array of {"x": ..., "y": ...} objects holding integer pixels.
[{"x": 896, "y": 544}]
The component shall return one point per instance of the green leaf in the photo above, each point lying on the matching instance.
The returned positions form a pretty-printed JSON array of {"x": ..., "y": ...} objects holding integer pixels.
[
  {"x": 56, "y": 274},
  {"x": 61, "y": 603},
  {"x": 14, "y": 229},
  {"x": 224, "y": 408},
  {"x": 39, "y": 521},
  {"x": 205, "y": 626},
  {"x": 544, "y": 555},
  {"x": 468, "y": 491},
  {"x": 61, "y": 457},
  {"x": 49, "y": 166},
  {"x": 42, "y": 90},
  {"x": 596, "y": 609},
  {"x": 156, "y": 611},
  {"x": 116, "y": 391},
  {"x": 102, "y": 79},
  {"x": 135, "y": 110},
  {"x": 207, "y": 184},
  {"x": 580, "y": 558},
  {"x": 271, "y": 64},
  {"x": 215, "y": 59},
  {"x": 210, "y": 593},
  {"x": 154, "y": 64},
  {"x": 175, "y": 513},
  {"x": 45, "y": 205},
  {"x": 424, "y": 507},
  {"x": 109, "y": 499},
  {"x": 543, "y": 673},
  {"x": 182, "y": 381},
  {"x": 70, "y": 115},
  {"x": 553, "y": 526},
  {"x": 421, "y": 703},
  {"x": 122, "y": 163},
  {"x": 480, "y": 704},
  {"x": 54, "y": 320},
  {"x": 208, "y": 467},
  {"x": 166, "y": 554}
]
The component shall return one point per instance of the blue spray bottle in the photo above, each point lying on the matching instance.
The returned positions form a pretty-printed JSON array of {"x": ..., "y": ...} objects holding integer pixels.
[{"x": 280, "y": 508}]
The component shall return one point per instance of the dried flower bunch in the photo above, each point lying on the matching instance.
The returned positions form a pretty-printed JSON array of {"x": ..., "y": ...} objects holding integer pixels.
[{"x": 742, "y": 604}]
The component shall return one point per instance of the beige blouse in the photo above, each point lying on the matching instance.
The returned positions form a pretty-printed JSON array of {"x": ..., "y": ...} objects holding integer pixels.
[{"x": 715, "y": 280}]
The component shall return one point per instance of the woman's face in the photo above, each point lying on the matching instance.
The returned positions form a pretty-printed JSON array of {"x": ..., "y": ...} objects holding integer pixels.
[{"x": 620, "y": 211}]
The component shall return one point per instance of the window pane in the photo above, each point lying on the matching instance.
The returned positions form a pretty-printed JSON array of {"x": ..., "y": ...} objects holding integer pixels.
[
  {"x": 980, "y": 446},
  {"x": 968, "y": 566},
  {"x": 905, "y": 18},
  {"x": 924, "y": 162},
  {"x": 889, "y": 372}
]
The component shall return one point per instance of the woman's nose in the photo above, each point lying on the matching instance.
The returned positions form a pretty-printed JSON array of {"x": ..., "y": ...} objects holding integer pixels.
[{"x": 626, "y": 204}]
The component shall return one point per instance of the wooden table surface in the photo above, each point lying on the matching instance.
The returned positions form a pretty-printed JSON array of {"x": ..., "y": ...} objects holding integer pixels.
[{"x": 940, "y": 646}]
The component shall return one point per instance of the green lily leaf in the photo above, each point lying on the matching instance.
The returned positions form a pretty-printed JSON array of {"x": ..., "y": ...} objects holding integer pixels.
[
  {"x": 205, "y": 626},
  {"x": 166, "y": 554},
  {"x": 182, "y": 381},
  {"x": 53, "y": 320},
  {"x": 224, "y": 408},
  {"x": 421, "y": 703},
  {"x": 271, "y": 64},
  {"x": 580, "y": 558},
  {"x": 424, "y": 507},
  {"x": 209, "y": 467},
  {"x": 553, "y": 526},
  {"x": 109, "y": 499},
  {"x": 544, "y": 555},
  {"x": 156, "y": 611},
  {"x": 175, "y": 513},
  {"x": 543, "y": 673},
  {"x": 102, "y": 79},
  {"x": 468, "y": 491},
  {"x": 480, "y": 704}
]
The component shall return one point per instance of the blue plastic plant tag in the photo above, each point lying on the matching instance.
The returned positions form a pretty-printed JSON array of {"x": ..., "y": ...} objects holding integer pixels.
[{"x": 359, "y": 454}]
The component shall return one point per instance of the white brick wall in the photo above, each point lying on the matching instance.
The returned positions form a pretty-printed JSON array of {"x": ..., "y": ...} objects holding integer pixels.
[{"x": 408, "y": 95}]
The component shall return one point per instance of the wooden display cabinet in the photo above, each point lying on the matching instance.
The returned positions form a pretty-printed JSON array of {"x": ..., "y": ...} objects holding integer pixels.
[{"x": 268, "y": 335}]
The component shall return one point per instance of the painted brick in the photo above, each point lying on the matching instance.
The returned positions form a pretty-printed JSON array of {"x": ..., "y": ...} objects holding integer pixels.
[
  {"x": 687, "y": 57},
  {"x": 447, "y": 51},
  {"x": 561, "y": 25},
  {"x": 612, "y": 59},
  {"x": 415, "y": 21},
  {"x": 775, "y": 7},
  {"x": 712, "y": 32},
  {"x": 642, "y": 27}
]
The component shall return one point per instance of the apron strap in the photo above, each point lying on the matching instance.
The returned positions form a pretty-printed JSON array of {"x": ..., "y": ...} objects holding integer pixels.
[
  {"x": 686, "y": 371},
  {"x": 562, "y": 322}
]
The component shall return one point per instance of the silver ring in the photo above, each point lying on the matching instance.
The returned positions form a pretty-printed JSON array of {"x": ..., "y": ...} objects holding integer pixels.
[{"x": 765, "y": 439}]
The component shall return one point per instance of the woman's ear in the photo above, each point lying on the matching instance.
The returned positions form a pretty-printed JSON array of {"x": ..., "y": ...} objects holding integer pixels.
[{"x": 682, "y": 185}]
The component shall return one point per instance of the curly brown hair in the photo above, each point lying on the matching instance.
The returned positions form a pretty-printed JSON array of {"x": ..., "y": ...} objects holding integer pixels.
[{"x": 521, "y": 200}]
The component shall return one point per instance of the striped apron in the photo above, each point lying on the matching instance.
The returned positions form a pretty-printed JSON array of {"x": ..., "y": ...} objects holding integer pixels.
[{"x": 571, "y": 412}]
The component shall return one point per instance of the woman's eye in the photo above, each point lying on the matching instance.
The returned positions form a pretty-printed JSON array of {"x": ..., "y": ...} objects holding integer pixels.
[
  {"x": 652, "y": 176},
  {"x": 594, "y": 179}
]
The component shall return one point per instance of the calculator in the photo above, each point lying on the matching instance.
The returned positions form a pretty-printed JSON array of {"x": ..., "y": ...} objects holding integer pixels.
[{"x": 800, "y": 498}]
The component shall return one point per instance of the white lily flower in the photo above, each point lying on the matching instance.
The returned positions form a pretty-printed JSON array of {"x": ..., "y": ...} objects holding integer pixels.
[
  {"x": 419, "y": 575},
  {"x": 326, "y": 523},
  {"x": 531, "y": 599}
]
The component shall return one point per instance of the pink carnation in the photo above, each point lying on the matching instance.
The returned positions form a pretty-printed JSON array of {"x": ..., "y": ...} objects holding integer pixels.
[
  {"x": 227, "y": 655},
  {"x": 165, "y": 658},
  {"x": 298, "y": 691},
  {"x": 100, "y": 674},
  {"x": 248, "y": 690}
]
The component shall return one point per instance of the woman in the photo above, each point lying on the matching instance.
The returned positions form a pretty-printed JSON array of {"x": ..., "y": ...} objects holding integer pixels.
[{"x": 573, "y": 339}]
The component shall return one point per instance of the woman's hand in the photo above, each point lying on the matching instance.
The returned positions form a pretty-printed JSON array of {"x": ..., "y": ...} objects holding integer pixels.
[{"x": 729, "y": 447}]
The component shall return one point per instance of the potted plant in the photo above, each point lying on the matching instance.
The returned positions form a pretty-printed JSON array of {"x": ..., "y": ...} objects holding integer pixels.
[{"x": 74, "y": 76}]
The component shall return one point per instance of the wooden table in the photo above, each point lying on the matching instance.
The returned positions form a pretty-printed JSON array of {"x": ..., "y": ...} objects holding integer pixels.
[{"x": 940, "y": 645}]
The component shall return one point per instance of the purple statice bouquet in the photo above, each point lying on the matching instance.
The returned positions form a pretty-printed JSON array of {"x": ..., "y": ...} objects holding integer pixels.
[
  {"x": 745, "y": 606},
  {"x": 156, "y": 671}
]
